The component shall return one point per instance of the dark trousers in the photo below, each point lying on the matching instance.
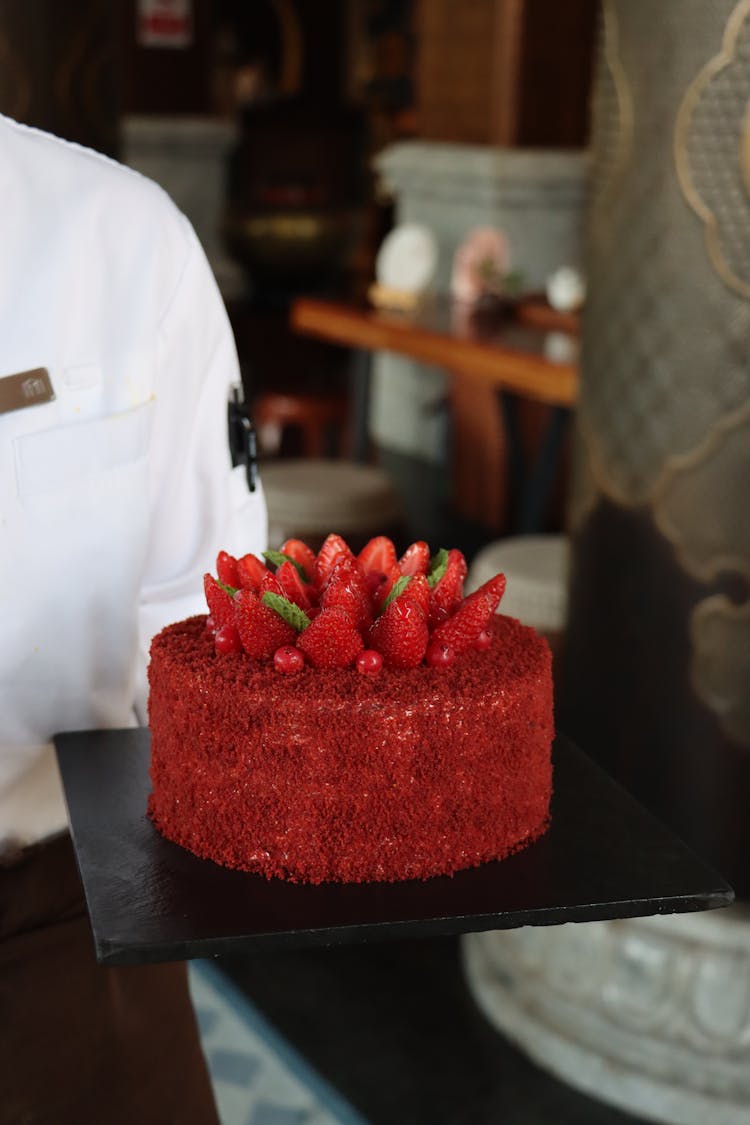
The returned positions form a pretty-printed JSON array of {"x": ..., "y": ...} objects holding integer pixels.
[{"x": 81, "y": 1044}]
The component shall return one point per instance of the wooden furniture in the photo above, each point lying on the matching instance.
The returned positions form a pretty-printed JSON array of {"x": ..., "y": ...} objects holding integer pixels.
[
  {"x": 504, "y": 72},
  {"x": 487, "y": 352},
  {"x": 319, "y": 421},
  {"x": 491, "y": 348}
]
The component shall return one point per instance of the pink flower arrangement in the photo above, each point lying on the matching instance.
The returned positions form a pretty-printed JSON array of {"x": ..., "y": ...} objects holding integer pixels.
[{"x": 481, "y": 266}]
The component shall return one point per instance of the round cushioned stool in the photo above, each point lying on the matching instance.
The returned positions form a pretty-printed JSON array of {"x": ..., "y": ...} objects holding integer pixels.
[
  {"x": 536, "y": 567},
  {"x": 307, "y": 499}
]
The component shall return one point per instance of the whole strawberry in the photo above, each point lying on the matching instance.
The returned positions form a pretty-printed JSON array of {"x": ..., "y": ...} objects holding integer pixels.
[
  {"x": 261, "y": 629},
  {"x": 400, "y": 634},
  {"x": 472, "y": 617},
  {"x": 331, "y": 640}
]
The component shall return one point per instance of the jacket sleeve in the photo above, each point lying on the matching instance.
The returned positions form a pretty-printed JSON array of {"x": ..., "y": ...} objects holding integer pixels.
[{"x": 198, "y": 503}]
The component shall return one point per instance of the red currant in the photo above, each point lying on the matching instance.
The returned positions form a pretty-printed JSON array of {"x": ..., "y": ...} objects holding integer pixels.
[
  {"x": 288, "y": 659},
  {"x": 210, "y": 625},
  {"x": 369, "y": 662},
  {"x": 439, "y": 656},
  {"x": 483, "y": 641},
  {"x": 227, "y": 640}
]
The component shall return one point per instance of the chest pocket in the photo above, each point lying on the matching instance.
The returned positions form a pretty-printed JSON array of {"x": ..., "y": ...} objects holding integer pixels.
[{"x": 82, "y": 455}]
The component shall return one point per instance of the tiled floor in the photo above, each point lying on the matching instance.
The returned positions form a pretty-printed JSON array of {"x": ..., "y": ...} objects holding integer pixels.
[
  {"x": 394, "y": 1029},
  {"x": 258, "y": 1077}
]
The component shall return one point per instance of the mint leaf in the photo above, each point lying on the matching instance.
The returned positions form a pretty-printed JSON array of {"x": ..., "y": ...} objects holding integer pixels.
[
  {"x": 438, "y": 567},
  {"x": 276, "y": 558},
  {"x": 397, "y": 588},
  {"x": 291, "y": 613},
  {"x": 228, "y": 589}
]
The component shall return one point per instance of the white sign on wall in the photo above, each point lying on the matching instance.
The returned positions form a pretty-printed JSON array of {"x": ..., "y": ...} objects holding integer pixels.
[{"x": 164, "y": 23}]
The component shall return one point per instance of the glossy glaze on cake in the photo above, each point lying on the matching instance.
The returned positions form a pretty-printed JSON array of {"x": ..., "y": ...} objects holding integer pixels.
[{"x": 329, "y": 775}]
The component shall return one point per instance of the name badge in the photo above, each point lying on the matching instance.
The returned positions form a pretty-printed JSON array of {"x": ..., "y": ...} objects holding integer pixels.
[{"x": 28, "y": 388}]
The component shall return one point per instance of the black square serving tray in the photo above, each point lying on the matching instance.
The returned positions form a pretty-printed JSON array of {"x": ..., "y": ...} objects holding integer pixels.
[{"x": 604, "y": 856}]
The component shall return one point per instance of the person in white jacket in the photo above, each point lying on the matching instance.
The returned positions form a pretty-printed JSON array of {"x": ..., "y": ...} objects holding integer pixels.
[{"x": 116, "y": 493}]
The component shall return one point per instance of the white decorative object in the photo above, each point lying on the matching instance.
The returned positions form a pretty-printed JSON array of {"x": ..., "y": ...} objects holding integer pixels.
[
  {"x": 566, "y": 289},
  {"x": 481, "y": 265},
  {"x": 405, "y": 266},
  {"x": 650, "y": 1014}
]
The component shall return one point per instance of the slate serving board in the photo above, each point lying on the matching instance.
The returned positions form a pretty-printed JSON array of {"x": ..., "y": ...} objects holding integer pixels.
[{"x": 149, "y": 900}]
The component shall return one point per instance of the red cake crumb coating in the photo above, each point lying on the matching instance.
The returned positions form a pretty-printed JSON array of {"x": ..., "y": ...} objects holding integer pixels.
[{"x": 335, "y": 776}]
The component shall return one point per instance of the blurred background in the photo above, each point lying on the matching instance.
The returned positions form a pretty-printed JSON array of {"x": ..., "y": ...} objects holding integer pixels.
[{"x": 590, "y": 439}]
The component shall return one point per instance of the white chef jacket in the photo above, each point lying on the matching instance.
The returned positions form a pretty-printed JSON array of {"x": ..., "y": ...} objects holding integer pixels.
[{"x": 115, "y": 497}]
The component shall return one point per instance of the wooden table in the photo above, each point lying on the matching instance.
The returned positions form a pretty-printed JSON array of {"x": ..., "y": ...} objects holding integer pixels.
[{"x": 487, "y": 351}]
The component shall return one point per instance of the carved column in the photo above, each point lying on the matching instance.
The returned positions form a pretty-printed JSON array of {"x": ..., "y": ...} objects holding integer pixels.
[
  {"x": 656, "y": 670},
  {"x": 654, "y": 1015}
]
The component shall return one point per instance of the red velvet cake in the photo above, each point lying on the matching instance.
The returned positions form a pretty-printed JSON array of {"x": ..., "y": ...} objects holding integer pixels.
[{"x": 350, "y": 719}]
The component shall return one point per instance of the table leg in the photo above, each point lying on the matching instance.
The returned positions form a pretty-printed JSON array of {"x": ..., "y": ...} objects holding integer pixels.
[
  {"x": 531, "y": 485},
  {"x": 360, "y": 378}
]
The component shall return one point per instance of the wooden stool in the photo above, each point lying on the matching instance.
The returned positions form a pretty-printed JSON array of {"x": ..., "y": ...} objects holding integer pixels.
[
  {"x": 322, "y": 422},
  {"x": 308, "y": 499},
  {"x": 536, "y": 567}
]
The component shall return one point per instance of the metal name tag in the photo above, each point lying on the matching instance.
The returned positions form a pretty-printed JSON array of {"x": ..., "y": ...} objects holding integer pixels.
[{"x": 28, "y": 388}]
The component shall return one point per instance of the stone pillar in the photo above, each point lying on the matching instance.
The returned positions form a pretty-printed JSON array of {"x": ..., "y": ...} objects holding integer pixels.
[
  {"x": 655, "y": 670},
  {"x": 188, "y": 157}
]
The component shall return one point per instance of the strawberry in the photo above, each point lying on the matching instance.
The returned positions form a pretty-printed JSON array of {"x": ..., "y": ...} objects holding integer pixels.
[
  {"x": 250, "y": 571},
  {"x": 472, "y": 617},
  {"x": 380, "y": 585},
  {"x": 325, "y": 561},
  {"x": 347, "y": 588},
  {"x": 331, "y": 640},
  {"x": 261, "y": 629},
  {"x": 270, "y": 582},
  {"x": 415, "y": 559},
  {"x": 294, "y": 588},
  {"x": 378, "y": 555},
  {"x": 301, "y": 554},
  {"x": 400, "y": 635},
  {"x": 226, "y": 569},
  {"x": 447, "y": 592},
  {"x": 219, "y": 601},
  {"x": 419, "y": 591}
]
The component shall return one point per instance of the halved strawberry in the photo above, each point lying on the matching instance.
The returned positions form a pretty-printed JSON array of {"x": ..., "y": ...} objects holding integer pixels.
[
  {"x": 332, "y": 549},
  {"x": 400, "y": 634},
  {"x": 301, "y": 554},
  {"x": 226, "y": 569},
  {"x": 331, "y": 640},
  {"x": 261, "y": 629},
  {"x": 250, "y": 571},
  {"x": 472, "y": 617},
  {"x": 448, "y": 591},
  {"x": 270, "y": 582},
  {"x": 220, "y": 604},
  {"x": 415, "y": 559},
  {"x": 378, "y": 555},
  {"x": 380, "y": 585},
  {"x": 347, "y": 588},
  {"x": 293, "y": 587}
]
